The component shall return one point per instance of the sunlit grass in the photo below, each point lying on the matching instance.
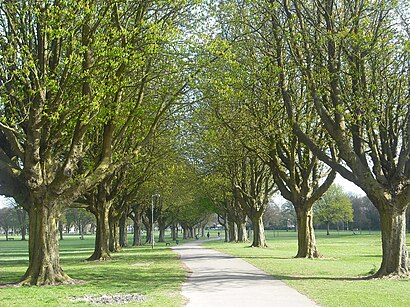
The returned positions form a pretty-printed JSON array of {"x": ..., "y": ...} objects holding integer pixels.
[
  {"x": 156, "y": 273},
  {"x": 334, "y": 280}
]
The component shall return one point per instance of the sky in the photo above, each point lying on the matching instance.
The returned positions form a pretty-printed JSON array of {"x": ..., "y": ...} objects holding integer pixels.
[
  {"x": 3, "y": 201},
  {"x": 349, "y": 187}
]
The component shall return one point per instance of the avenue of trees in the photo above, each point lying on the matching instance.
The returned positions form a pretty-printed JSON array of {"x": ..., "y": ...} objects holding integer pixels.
[
  {"x": 214, "y": 107},
  {"x": 301, "y": 81}
]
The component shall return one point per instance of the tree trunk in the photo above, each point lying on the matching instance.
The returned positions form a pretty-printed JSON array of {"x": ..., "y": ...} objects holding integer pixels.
[
  {"x": 137, "y": 241},
  {"x": 395, "y": 255},
  {"x": 149, "y": 235},
  {"x": 81, "y": 230},
  {"x": 227, "y": 232},
  {"x": 114, "y": 240},
  {"x": 259, "y": 239},
  {"x": 184, "y": 232},
  {"x": 306, "y": 234},
  {"x": 60, "y": 230},
  {"x": 44, "y": 260},
  {"x": 233, "y": 236},
  {"x": 101, "y": 250},
  {"x": 23, "y": 233},
  {"x": 123, "y": 231},
  {"x": 161, "y": 232},
  {"x": 328, "y": 228},
  {"x": 147, "y": 225},
  {"x": 174, "y": 231},
  {"x": 242, "y": 233}
]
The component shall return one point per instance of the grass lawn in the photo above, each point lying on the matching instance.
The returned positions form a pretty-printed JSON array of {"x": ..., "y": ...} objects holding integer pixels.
[
  {"x": 157, "y": 274},
  {"x": 333, "y": 280}
]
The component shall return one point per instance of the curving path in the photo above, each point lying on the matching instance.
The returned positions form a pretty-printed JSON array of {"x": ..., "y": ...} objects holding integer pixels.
[{"x": 218, "y": 279}]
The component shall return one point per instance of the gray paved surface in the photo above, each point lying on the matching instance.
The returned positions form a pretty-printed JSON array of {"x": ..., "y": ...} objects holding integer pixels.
[{"x": 218, "y": 279}]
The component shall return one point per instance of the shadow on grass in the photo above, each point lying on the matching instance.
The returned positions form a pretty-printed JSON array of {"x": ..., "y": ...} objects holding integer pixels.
[
  {"x": 271, "y": 257},
  {"x": 208, "y": 257},
  {"x": 286, "y": 277},
  {"x": 142, "y": 280},
  {"x": 14, "y": 263}
]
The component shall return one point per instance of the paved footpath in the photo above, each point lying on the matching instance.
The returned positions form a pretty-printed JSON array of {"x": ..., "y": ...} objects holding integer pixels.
[{"x": 218, "y": 279}]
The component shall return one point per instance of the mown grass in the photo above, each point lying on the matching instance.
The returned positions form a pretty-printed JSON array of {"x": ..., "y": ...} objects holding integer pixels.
[
  {"x": 156, "y": 273},
  {"x": 334, "y": 280}
]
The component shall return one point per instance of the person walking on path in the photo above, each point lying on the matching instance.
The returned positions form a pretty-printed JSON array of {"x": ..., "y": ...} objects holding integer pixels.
[
  {"x": 208, "y": 235},
  {"x": 218, "y": 279}
]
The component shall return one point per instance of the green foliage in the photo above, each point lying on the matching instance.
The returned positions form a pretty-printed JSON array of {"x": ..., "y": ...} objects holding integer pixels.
[
  {"x": 334, "y": 207},
  {"x": 79, "y": 218},
  {"x": 8, "y": 218}
]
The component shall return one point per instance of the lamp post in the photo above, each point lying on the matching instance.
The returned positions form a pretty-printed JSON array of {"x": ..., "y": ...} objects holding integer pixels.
[{"x": 152, "y": 218}]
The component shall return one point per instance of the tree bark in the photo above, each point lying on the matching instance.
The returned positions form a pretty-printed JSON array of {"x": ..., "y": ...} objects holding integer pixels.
[
  {"x": 114, "y": 240},
  {"x": 44, "y": 260},
  {"x": 81, "y": 230},
  {"x": 242, "y": 233},
  {"x": 101, "y": 248},
  {"x": 147, "y": 225},
  {"x": 123, "y": 231},
  {"x": 227, "y": 233},
  {"x": 259, "y": 239},
  {"x": 233, "y": 236},
  {"x": 161, "y": 232},
  {"x": 174, "y": 230},
  {"x": 395, "y": 254},
  {"x": 23, "y": 233},
  {"x": 137, "y": 241},
  {"x": 60, "y": 230},
  {"x": 306, "y": 234},
  {"x": 184, "y": 232},
  {"x": 328, "y": 228}
]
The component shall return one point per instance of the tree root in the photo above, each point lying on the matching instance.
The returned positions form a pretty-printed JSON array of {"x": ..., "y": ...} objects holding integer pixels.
[
  {"x": 49, "y": 281},
  {"x": 389, "y": 276},
  {"x": 100, "y": 258}
]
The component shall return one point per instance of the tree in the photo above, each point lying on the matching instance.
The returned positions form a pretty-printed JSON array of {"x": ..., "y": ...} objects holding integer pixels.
[
  {"x": 248, "y": 103},
  {"x": 78, "y": 75},
  {"x": 271, "y": 218},
  {"x": 288, "y": 216},
  {"x": 8, "y": 220},
  {"x": 80, "y": 218},
  {"x": 349, "y": 60},
  {"x": 334, "y": 207},
  {"x": 253, "y": 188},
  {"x": 364, "y": 213},
  {"x": 22, "y": 221}
]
